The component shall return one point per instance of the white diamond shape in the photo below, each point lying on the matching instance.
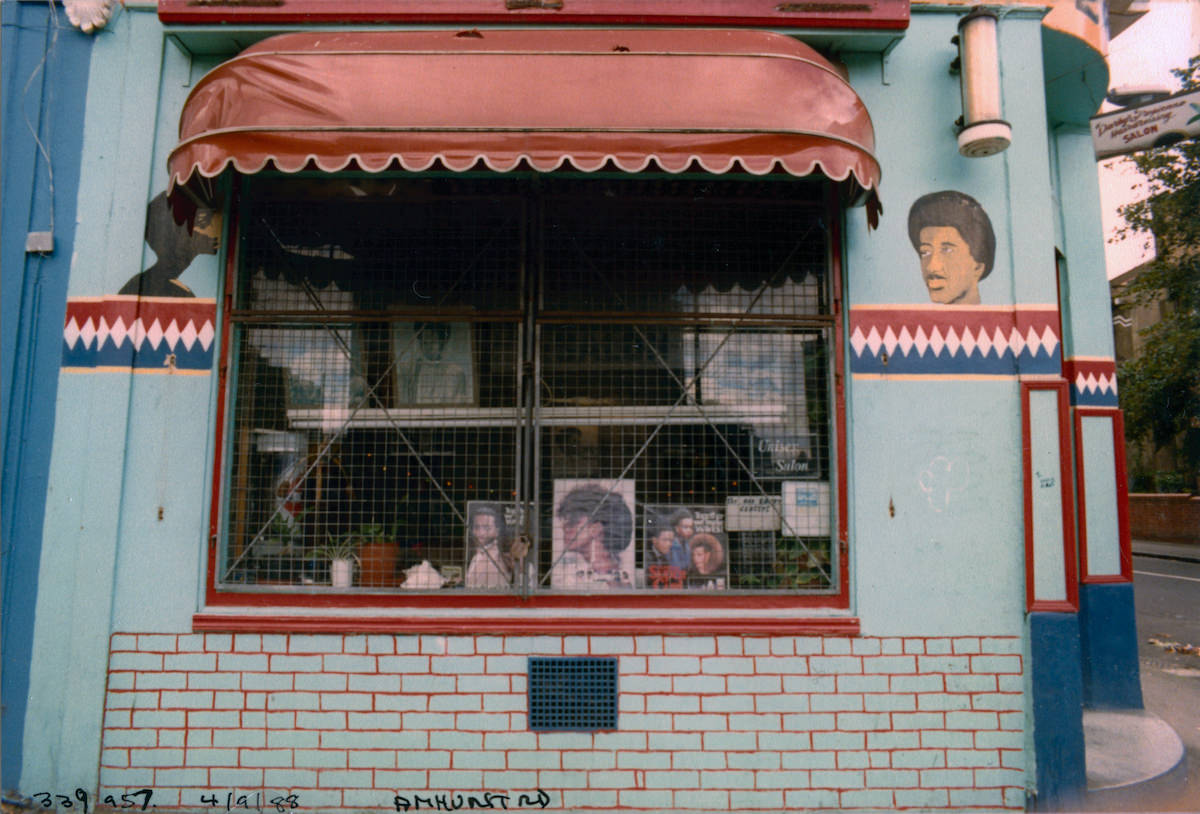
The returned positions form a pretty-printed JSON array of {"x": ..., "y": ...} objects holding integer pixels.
[
  {"x": 88, "y": 332},
  {"x": 206, "y": 334},
  {"x": 985, "y": 343},
  {"x": 952, "y": 342},
  {"x": 1080, "y": 382},
  {"x": 936, "y": 342},
  {"x": 1031, "y": 340},
  {"x": 889, "y": 341},
  {"x": 968, "y": 341},
  {"x": 1049, "y": 340},
  {"x": 101, "y": 333},
  {"x": 188, "y": 335},
  {"x": 858, "y": 341},
  {"x": 137, "y": 333},
  {"x": 873, "y": 341},
  {"x": 1091, "y": 382},
  {"x": 155, "y": 334},
  {"x": 117, "y": 332},
  {"x": 1112, "y": 382},
  {"x": 999, "y": 342},
  {"x": 905, "y": 340},
  {"x": 171, "y": 334},
  {"x": 1016, "y": 342},
  {"x": 921, "y": 341},
  {"x": 71, "y": 333}
]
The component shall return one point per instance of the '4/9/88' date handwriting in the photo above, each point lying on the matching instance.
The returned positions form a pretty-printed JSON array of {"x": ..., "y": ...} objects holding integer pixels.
[{"x": 232, "y": 801}]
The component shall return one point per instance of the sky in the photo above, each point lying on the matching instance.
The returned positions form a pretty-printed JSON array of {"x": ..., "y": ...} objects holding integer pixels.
[{"x": 1143, "y": 54}]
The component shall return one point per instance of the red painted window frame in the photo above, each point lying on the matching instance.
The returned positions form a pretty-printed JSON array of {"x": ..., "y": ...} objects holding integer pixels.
[
  {"x": 1067, "y": 491},
  {"x": 763, "y": 614},
  {"x": 1123, "y": 539}
]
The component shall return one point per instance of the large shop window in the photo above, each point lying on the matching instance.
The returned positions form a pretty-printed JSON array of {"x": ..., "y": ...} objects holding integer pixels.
[{"x": 530, "y": 386}]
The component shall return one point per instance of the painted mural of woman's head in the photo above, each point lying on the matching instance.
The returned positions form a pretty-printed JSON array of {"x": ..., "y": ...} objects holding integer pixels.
[
  {"x": 953, "y": 236},
  {"x": 175, "y": 247}
]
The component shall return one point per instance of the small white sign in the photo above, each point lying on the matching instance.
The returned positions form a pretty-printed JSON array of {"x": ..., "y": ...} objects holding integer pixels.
[
  {"x": 805, "y": 508},
  {"x": 753, "y": 513}
]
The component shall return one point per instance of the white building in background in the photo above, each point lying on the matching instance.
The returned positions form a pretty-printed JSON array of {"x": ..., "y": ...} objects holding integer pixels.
[{"x": 1142, "y": 55}]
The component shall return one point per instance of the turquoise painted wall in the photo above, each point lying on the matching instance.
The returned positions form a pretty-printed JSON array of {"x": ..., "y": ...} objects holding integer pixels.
[
  {"x": 961, "y": 560},
  {"x": 124, "y": 444},
  {"x": 1087, "y": 292}
]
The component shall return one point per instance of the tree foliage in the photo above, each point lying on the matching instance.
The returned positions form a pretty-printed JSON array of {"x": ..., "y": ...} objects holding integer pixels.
[{"x": 1160, "y": 387}]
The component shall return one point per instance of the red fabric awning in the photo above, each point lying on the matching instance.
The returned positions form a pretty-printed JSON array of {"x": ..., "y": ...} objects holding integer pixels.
[{"x": 675, "y": 100}]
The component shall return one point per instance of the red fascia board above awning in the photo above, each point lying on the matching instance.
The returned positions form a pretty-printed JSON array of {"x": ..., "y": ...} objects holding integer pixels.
[
  {"x": 881, "y": 15},
  {"x": 702, "y": 100}
]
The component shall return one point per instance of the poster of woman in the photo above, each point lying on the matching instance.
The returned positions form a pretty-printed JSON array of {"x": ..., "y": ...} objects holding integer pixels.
[
  {"x": 593, "y": 535},
  {"x": 685, "y": 547}
]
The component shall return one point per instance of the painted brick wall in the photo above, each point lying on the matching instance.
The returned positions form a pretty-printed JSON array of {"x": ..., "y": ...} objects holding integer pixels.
[{"x": 707, "y": 723}]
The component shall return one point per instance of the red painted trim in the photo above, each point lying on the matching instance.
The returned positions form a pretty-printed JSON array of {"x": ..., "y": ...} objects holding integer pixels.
[
  {"x": 1053, "y": 606},
  {"x": 231, "y": 257},
  {"x": 1067, "y": 493},
  {"x": 882, "y": 14},
  {"x": 834, "y": 218},
  {"x": 467, "y": 625},
  {"x": 1123, "y": 540},
  {"x": 1104, "y": 579},
  {"x": 978, "y": 319}
]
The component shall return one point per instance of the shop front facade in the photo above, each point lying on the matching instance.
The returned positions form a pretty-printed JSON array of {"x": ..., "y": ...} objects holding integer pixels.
[{"x": 581, "y": 408}]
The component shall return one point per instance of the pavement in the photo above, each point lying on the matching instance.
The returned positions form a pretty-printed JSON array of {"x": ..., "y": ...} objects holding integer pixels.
[
  {"x": 1131, "y": 755},
  {"x": 1134, "y": 755},
  {"x": 1186, "y": 552}
]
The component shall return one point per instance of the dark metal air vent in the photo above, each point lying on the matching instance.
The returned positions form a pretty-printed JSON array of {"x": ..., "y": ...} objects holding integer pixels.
[{"x": 572, "y": 694}]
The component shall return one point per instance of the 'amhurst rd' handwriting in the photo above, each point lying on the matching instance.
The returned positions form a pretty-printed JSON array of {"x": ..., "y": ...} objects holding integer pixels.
[{"x": 453, "y": 801}]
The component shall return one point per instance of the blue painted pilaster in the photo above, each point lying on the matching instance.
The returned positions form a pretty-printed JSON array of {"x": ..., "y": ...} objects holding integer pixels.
[
  {"x": 1111, "y": 678},
  {"x": 45, "y": 78},
  {"x": 1057, "y": 705}
]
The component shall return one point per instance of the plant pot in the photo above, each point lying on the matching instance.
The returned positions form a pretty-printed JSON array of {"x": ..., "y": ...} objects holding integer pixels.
[
  {"x": 377, "y": 564},
  {"x": 341, "y": 573}
]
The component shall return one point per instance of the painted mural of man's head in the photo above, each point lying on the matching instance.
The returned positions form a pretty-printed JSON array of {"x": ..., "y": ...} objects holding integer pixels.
[{"x": 953, "y": 237}]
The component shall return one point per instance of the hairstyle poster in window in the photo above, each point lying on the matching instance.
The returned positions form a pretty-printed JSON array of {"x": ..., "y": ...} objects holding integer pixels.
[
  {"x": 491, "y": 529},
  {"x": 593, "y": 535},
  {"x": 685, "y": 547},
  {"x": 433, "y": 364}
]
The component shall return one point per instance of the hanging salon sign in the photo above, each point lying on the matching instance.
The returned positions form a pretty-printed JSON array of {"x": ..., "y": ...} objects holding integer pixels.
[{"x": 1158, "y": 124}]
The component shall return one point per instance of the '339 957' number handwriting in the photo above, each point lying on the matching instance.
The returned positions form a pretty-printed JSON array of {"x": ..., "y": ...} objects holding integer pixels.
[{"x": 81, "y": 800}]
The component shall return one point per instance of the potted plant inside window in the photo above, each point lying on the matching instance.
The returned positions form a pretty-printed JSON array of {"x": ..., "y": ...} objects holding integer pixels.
[
  {"x": 342, "y": 553},
  {"x": 377, "y": 553}
]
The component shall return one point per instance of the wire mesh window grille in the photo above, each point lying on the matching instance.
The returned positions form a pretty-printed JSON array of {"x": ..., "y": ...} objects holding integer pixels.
[
  {"x": 577, "y": 694},
  {"x": 510, "y": 385}
]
